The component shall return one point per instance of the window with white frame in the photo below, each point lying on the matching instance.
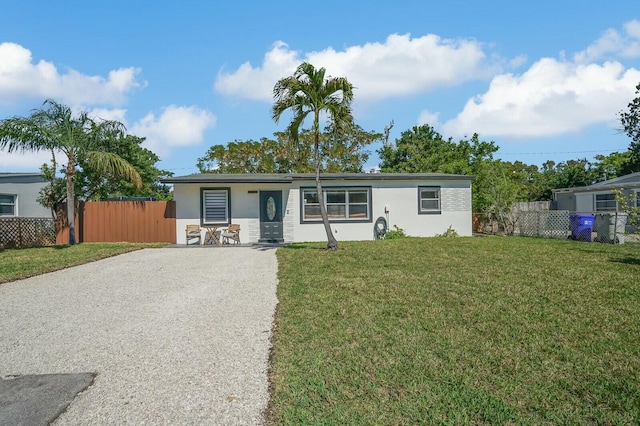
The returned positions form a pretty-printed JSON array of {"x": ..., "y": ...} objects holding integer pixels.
[
  {"x": 7, "y": 205},
  {"x": 637, "y": 198},
  {"x": 429, "y": 200},
  {"x": 606, "y": 202},
  {"x": 343, "y": 204},
  {"x": 216, "y": 206}
]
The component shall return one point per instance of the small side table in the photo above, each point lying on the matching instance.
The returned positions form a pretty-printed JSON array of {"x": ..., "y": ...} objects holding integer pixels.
[{"x": 210, "y": 237}]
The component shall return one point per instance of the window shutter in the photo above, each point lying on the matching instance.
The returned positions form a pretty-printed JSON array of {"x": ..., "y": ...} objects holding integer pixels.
[{"x": 215, "y": 206}]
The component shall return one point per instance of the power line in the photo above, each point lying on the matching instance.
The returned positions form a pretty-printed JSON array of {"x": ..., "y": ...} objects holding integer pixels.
[{"x": 560, "y": 152}]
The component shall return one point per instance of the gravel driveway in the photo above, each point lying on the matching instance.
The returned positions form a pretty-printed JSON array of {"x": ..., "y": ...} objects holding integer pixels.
[{"x": 175, "y": 335}]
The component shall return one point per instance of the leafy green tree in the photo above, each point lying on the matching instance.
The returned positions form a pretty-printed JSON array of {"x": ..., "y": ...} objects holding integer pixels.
[
  {"x": 265, "y": 156},
  {"x": 90, "y": 184},
  {"x": 93, "y": 184},
  {"x": 527, "y": 179},
  {"x": 573, "y": 173},
  {"x": 423, "y": 150},
  {"x": 566, "y": 174},
  {"x": 630, "y": 121},
  {"x": 501, "y": 191},
  {"x": 343, "y": 147},
  {"x": 308, "y": 92},
  {"x": 611, "y": 166},
  {"x": 342, "y": 152},
  {"x": 78, "y": 137}
]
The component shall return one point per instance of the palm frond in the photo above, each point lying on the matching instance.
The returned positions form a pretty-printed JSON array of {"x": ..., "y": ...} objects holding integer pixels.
[{"x": 113, "y": 164}]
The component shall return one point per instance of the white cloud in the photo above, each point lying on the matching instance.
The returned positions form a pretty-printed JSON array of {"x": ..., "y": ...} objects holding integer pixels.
[
  {"x": 20, "y": 77},
  {"x": 557, "y": 96},
  {"x": 177, "y": 126},
  {"x": 632, "y": 28},
  {"x": 402, "y": 65},
  {"x": 27, "y": 161},
  {"x": 550, "y": 98},
  {"x": 518, "y": 61},
  {"x": 257, "y": 83},
  {"x": 115, "y": 114},
  {"x": 613, "y": 44},
  {"x": 430, "y": 118}
]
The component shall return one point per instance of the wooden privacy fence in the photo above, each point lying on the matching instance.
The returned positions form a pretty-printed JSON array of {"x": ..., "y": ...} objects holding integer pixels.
[{"x": 123, "y": 221}]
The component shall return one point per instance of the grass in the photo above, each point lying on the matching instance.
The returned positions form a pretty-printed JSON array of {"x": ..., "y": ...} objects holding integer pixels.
[
  {"x": 22, "y": 263},
  {"x": 457, "y": 331}
]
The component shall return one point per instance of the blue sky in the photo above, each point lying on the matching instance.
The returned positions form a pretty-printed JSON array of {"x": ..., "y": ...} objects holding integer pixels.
[{"x": 544, "y": 80}]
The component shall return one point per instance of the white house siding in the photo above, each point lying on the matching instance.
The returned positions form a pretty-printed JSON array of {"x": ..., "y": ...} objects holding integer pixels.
[
  {"x": 26, "y": 189},
  {"x": 398, "y": 198},
  {"x": 244, "y": 208},
  {"x": 288, "y": 222}
]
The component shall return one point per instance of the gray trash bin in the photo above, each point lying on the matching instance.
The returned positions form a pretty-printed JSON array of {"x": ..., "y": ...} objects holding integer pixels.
[{"x": 610, "y": 227}]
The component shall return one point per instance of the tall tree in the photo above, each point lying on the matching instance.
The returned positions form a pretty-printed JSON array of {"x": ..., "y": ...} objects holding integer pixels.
[
  {"x": 630, "y": 121},
  {"x": 342, "y": 151},
  {"x": 308, "y": 92},
  {"x": 344, "y": 147},
  {"x": 265, "y": 156},
  {"x": 78, "y": 137},
  {"x": 423, "y": 150},
  {"x": 611, "y": 166},
  {"x": 90, "y": 184},
  {"x": 95, "y": 184}
]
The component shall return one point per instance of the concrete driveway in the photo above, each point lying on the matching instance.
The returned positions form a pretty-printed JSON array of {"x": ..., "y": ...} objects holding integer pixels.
[{"x": 173, "y": 335}]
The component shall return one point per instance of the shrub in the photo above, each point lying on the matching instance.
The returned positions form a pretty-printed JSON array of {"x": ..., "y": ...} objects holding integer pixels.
[
  {"x": 395, "y": 233},
  {"x": 450, "y": 232}
]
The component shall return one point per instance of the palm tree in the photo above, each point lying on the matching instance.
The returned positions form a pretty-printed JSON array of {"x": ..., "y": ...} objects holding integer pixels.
[
  {"x": 54, "y": 127},
  {"x": 308, "y": 92}
]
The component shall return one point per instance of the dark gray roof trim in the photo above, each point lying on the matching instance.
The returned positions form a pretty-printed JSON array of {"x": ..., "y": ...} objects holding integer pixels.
[
  {"x": 19, "y": 174},
  {"x": 290, "y": 178},
  {"x": 8, "y": 177},
  {"x": 630, "y": 180}
]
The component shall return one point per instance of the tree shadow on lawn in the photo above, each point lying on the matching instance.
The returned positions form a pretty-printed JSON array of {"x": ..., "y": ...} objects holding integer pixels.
[
  {"x": 54, "y": 246},
  {"x": 627, "y": 260}
]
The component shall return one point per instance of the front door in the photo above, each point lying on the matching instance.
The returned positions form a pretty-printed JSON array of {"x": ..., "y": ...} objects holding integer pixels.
[{"x": 271, "y": 216}]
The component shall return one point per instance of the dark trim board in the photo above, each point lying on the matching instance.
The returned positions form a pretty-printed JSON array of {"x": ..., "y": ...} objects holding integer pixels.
[{"x": 289, "y": 178}]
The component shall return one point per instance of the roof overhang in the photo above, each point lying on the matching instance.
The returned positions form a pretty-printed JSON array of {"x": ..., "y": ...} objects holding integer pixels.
[{"x": 291, "y": 177}]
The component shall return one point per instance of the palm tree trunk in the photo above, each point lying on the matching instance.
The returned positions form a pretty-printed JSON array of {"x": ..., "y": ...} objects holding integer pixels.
[
  {"x": 54, "y": 165},
  {"x": 332, "y": 243},
  {"x": 71, "y": 205}
]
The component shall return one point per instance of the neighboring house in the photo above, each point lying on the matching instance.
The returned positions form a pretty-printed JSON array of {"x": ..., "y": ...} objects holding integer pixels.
[
  {"x": 598, "y": 197},
  {"x": 285, "y": 207},
  {"x": 19, "y": 193}
]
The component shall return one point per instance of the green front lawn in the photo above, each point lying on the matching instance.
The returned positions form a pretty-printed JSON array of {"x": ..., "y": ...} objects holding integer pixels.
[
  {"x": 457, "y": 331},
  {"x": 22, "y": 263}
]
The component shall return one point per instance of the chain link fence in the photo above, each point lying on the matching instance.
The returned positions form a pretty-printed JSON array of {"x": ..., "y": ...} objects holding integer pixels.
[
  {"x": 543, "y": 224},
  {"x": 21, "y": 232},
  {"x": 603, "y": 227}
]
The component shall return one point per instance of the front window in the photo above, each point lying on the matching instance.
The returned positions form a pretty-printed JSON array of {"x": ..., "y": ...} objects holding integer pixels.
[
  {"x": 606, "y": 202},
  {"x": 429, "y": 200},
  {"x": 343, "y": 204},
  {"x": 215, "y": 206},
  {"x": 7, "y": 205}
]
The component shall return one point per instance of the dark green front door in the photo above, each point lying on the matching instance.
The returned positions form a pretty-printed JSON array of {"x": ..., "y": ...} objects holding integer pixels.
[{"x": 271, "y": 216}]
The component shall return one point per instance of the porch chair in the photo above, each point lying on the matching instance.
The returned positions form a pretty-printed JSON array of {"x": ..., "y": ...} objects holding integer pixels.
[
  {"x": 193, "y": 232},
  {"x": 232, "y": 232}
]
